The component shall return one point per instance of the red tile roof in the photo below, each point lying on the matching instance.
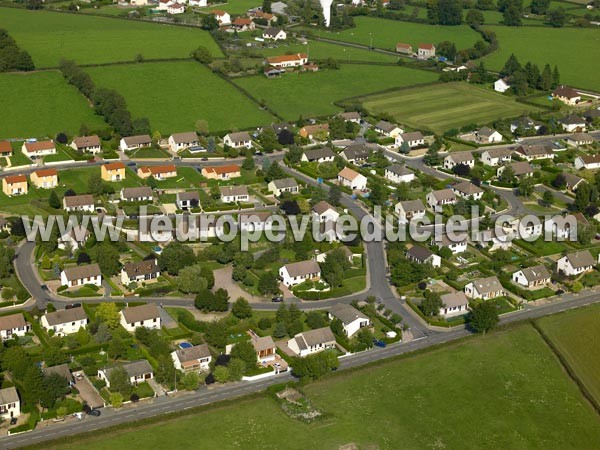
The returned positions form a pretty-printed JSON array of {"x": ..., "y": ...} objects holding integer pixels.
[
  {"x": 46, "y": 173},
  {"x": 37, "y": 146},
  {"x": 114, "y": 166},
  {"x": 13, "y": 179},
  {"x": 5, "y": 147}
]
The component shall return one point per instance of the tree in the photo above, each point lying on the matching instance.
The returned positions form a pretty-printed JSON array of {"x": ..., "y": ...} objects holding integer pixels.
[
  {"x": 555, "y": 77},
  {"x": 165, "y": 370},
  {"x": 546, "y": 78},
  {"x": 314, "y": 366},
  {"x": 53, "y": 200},
  {"x": 241, "y": 308},
  {"x": 432, "y": 157},
  {"x": 266, "y": 6},
  {"x": 190, "y": 280},
  {"x": 268, "y": 140},
  {"x": 462, "y": 170},
  {"x": 332, "y": 269},
  {"x": 484, "y": 316},
  {"x": 539, "y": 7},
  {"x": 244, "y": 351},
  {"x": 431, "y": 304},
  {"x": 315, "y": 319},
  {"x": 512, "y": 14},
  {"x": 365, "y": 337},
  {"x": 474, "y": 17},
  {"x": 116, "y": 348},
  {"x": 444, "y": 12},
  {"x": 280, "y": 330},
  {"x": 447, "y": 49},
  {"x": 116, "y": 399},
  {"x": 191, "y": 381},
  {"x": 210, "y": 22},
  {"x": 108, "y": 314},
  {"x": 548, "y": 198},
  {"x": 511, "y": 66},
  {"x": 236, "y": 368},
  {"x": 176, "y": 256},
  {"x": 95, "y": 184},
  {"x": 582, "y": 197},
  {"x": 274, "y": 173},
  {"x": 202, "y": 55},
  {"x": 119, "y": 381},
  {"x": 404, "y": 148},
  {"x": 557, "y": 17},
  {"x": 526, "y": 185},
  {"x": 221, "y": 374},
  {"x": 337, "y": 327},
  {"x": 268, "y": 283},
  {"x": 108, "y": 259},
  {"x": 248, "y": 163},
  {"x": 335, "y": 195}
]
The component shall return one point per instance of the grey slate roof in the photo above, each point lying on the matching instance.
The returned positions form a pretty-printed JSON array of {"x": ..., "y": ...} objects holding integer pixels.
[
  {"x": 581, "y": 259},
  {"x": 346, "y": 313},
  {"x": 65, "y": 316},
  {"x": 8, "y": 395},
  {"x": 80, "y": 272}
]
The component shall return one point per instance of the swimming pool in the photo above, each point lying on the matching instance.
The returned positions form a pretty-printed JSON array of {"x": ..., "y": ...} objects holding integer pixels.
[{"x": 185, "y": 345}]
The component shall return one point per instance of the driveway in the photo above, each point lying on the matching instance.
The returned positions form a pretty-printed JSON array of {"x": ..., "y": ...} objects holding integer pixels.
[
  {"x": 223, "y": 280},
  {"x": 87, "y": 391}
]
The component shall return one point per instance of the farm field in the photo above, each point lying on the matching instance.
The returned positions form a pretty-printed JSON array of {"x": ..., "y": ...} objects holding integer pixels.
[
  {"x": 35, "y": 113},
  {"x": 445, "y": 106},
  {"x": 50, "y": 36},
  {"x": 485, "y": 381},
  {"x": 576, "y": 335},
  {"x": 387, "y": 33},
  {"x": 553, "y": 46},
  {"x": 233, "y": 6},
  {"x": 175, "y": 95},
  {"x": 313, "y": 94}
]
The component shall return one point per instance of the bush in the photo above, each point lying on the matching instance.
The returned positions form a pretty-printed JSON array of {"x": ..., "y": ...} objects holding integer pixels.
[{"x": 264, "y": 323}]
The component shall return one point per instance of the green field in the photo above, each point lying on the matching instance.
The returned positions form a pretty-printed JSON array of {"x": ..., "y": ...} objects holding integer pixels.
[
  {"x": 571, "y": 49},
  {"x": 175, "y": 95},
  {"x": 40, "y": 105},
  {"x": 506, "y": 390},
  {"x": 313, "y": 94},
  {"x": 445, "y": 106},
  {"x": 387, "y": 33},
  {"x": 50, "y": 36},
  {"x": 233, "y": 6},
  {"x": 576, "y": 335}
]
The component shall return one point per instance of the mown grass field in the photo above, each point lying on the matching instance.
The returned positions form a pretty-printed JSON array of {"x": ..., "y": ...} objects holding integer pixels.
[
  {"x": 571, "y": 49},
  {"x": 506, "y": 390},
  {"x": 314, "y": 94},
  {"x": 233, "y": 6},
  {"x": 387, "y": 33},
  {"x": 175, "y": 95},
  {"x": 576, "y": 335},
  {"x": 445, "y": 106},
  {"x": 50, "y": 36},
  {"x": 40, "y": 105}
]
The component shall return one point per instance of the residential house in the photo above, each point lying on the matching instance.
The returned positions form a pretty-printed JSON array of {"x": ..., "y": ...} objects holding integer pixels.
[
  {"x": 255, "y": 221},
  {"x": 324, "y": 212},
  {"x": 137, "y": 194},
  {"x": 12, "y": 326},
  {"x": 231, "y": 194},
  {"x": 352, "y": 179},
  {"x": 573, "y": 123},
  {"x": 579, "y": 139},
  {"x": 403, "y": 48},
  {"x": 74, "y": 238},
  {"x": 87, "y": 144},
  {"x": 38, "y": 149},
  {"x": 62, "y": 370},
  {"x": 44, "y": 178},
  {"x": 222, "y": 17},
  {"x": 222, "y": 173},
  {"x": 492, "y": 241},
  {"x": 501, "y": 85},
  {"x": 534, "y": 152},
  {"x": 320, "y": 155},
  {"x": 278, "y": 187},
  {"x": 265, "y": 348},
  {"x": 157, "y": 172},
  {"x": 565, "y": 227},
  {"x": 5, "y": 148},
  {"x": 135, "y": 142},
  {"x": 388, "y": 129},
  {"x": 274, "y": 34},
  {"x": 192, "y": 359},
  {"x": 414, "y": 139},
  {"x": 566, "y": 95},
  {"x": 146, "y": 271},
  {"x": 83, "y": 202},
  {"x": 199, "y": 3},
  {"x": 422, "y": 255},
  {"x": 484, "y": 288},
  {"x": 81, "y": 275},
  {"x": 188, "y": 199},
  {"x": 576, "y": 263},
  {"x": 456, "y": 246},
  {"x": 182, "y": 141},
  {"x": 532, "y": 277},
  {"x": 163, "y": 5},
  {"x": 398, "y": 173},
  {"x": 298, "y": 272},
  {"x": 587, "y": 162},
  {"x": 14, "y": 185},
  {"x": 488, "y": 135},
  {"x": 317, "y": 132},
  {"x": 409, "y": 210},
  {"x": 65, "y": 321},
  {"x": 10, "y": 405},
  {"x": 273, "y": 72},
  {"x": 176, "y": 8},
  {"x": 468, "y": 190},
  {"x": 524, "y": 123},
  {"x": 352, "y": 319},
  {"x": 519, "y": 169},
  {"x": 147, "y": 316},
  {"x": 572, "y": 181},
  {"x": 356, "y": 154},
  {"x": 455, "y": 159},
  {"x": 241, "y": 24},
  {"x": 238, "y": 140},
  {"x": 114, "y": 171},
  {"x": 454, "y": 304},
  {"x": 260, "y": 14},
  {"x": 138, "y": 371},
  {"x": 350, "y": 116},
  {"x": 426, "y": 51},
  {"x": 313, "y": 341},
  {"x": 287, "y": 61},
  {"x": 436, "y": 200},
  {"x": 496, "y": 156}
]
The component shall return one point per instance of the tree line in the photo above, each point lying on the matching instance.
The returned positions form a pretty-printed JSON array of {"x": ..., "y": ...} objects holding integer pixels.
[{"x": 11, "y": 56}]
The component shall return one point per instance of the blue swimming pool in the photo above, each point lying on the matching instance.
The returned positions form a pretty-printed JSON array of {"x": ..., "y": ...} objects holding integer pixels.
[{"x": 185, "y": 345}]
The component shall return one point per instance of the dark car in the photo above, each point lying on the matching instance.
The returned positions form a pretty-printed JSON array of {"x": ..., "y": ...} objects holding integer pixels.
[
  {"x": 204, "y": 159},
  {"x": 379, "y": 343},
  {"x": 94, "y": 412},
  {"x": 73, "y": 305},
  {"x": 560, "y": 292},
  {"x": 13, "y": 420},
  {"x": 277, "y": 299}
]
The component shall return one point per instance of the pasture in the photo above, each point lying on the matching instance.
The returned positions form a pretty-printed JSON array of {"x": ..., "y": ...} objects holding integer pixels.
[
  {"x": 239, "y": 7},
  {"x": 314, "y": 94},
  {"x": 571, "y": 49},
  {"x": 50, "y": 36},
  {"x": 42, "y": 104},
  {"x": 505, "y": 390},
  {"x": 576, "y": 335},
  {"x": 445, "y": 106},
  {"x": 387, "y": 33},
  {"x": 175, "y": 95}
]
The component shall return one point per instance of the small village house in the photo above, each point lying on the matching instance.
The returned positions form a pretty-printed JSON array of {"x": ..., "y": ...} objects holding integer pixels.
[
  {"x": 10, "y": 405},
  {"x": 454, "y": 159},
  {"x": 356, "y": 154},
  {"x": 38, "y": 149},
  {"x": 14, "y": 185},
  {"x": 274, "y": 34},
  {"x": 157, "y": 172},
  {"x": 413, "y": 139},
  {"x": 519, "y": 169},
  {"x": 44, "y": 178},
  {"x": 496, "y": 156},
  {"x": 222, "y": 173},
  {"x": 316, "y": 132},
  {"x": 182, "y": 141},
  {"x": 590, "y": 162},
  {"x": 313, "y": 341},
  {"x": 352, "y": 319},
  {"x": 81, "y": 275},
  {"x": 223, "y": 17},
  {"x": 83, "y": 202},
  {"x": 468, "y": 190},
  {"x": 265, "y": 348},
  {"x": 409, "y": 210},
  {"x": 484, "y": 288},
  {"x": 114, "y": 171},
  {"x": 405, "y": 49},
  {"x": 295, "y": 273},
  {"x": 65, "y": 321},
  {"x": 422, "y": 255},
  {"x": 576, "y": 263},
  {"x": 566, "y": 95},
  {"x": 231, "y": 194},
  {"x": 188, "y": 199},
  {"x": 284, "y": 185},
  {"x": 456, "y": 246},
  {"x": 147, "y": 316},
  {"x": 87, "y": 144},
  {"x": 135, "y": 142},
  {"x": 487, "y": 135},
  {"x": 287, "y": 61},
  {"x": 324, "y": 212},
  {"x": 5, "y": 149},
  {"x": 501, "y": 85},
  {"x": 238, "y": 140},
  {"x": 137, "y": 194},
  {"x": 532, "y": 277},
  {"x": 454, "y": 304},
  {"x": 436, "y": 200},
  {"x": 13, "y": 325},
  {"x": 388, "y": 129},
  {"x": 192, "y": 359},
  {"x": 398, "y": 173},
  {"x": 426, "y": 51},
  {"x": 320, "y": 155},
  {"x": 74, "y": 238},
  {"x": 352, "y": 179},
  {"x": 138, "y": 371}
]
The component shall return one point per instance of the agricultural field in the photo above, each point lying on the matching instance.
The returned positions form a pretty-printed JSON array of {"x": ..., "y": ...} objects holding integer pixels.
[
  {"x": 387, "y": 33},
  {"x": 233, "y": 6},
  {"x": 35, "y": 113},
  {"x": 175, "y": 95},
  {"x": 50, "y": 36},
  {"x": 576, "y": 334},
  {"x": 554, "y": 46},
  {"x": 482, "y": 383},
  {"x": 314, "y": 94},
  {"x": 445, "y": 106}
]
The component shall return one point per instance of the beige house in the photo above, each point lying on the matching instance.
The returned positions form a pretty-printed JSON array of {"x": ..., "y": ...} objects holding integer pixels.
[
  {"x": 426, "y": 51},
  {"x": 10, "y": 405},
  {"x": 295, "y": 273},
  {"x": 141, "y": 271},
  {"x": 65, "y": 321},
  {"x": 13, "y": 325},
  {"x": 181, "y": 141},
  {"x": 138, "y": 372},
  {"x": 81, "y": 275},
  {"x": 87, "y": 144},
  {"x": 38, "y": 149},
  {"x": 147, "y": 316},
  {"x": 265, "y": 348},
  {"x": 113, "y": 171},
  {"x": 44, "y": 178},
  {"x": 192, "y": 359},
  {"x": 5, "y": 148},
  {"x": 484, "y": 288},
  {"x": 222, "y": 172},
  {"x": 158, "y": 172},
  {"x": 313, "y": 341},
  {"x": 14, "y": 185},
  {"x": 566, "y": 95}
]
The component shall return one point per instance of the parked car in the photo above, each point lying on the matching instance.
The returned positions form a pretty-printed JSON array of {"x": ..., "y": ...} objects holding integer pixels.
[
  {"x": 94, "y": 412},
  {"x": 379, "y": 343},
  {"x": 278, "y": 299},
  {"x": 13, "y": 420}
]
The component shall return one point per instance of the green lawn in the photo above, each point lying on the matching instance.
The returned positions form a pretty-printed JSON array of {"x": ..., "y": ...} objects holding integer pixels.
[
  {"x": 149, "y": 152},
  {"x": 387, "y": 33},
  {"x": 313, "y": 94},
  {"x": 77, "y": 179},
  {"x": 568, "y": 48},
  {"x": 476, "y": 394},
  {"x": 445, "y": 106},
  {"x": 35, "y": 113},
  {"x": 50, "y": 36},
  {"x": 175, "y": 95},
  {"x": 233, "y": 6},
  {"x": 576, "y": 335},
  {"x": 186, "y": 177}
]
